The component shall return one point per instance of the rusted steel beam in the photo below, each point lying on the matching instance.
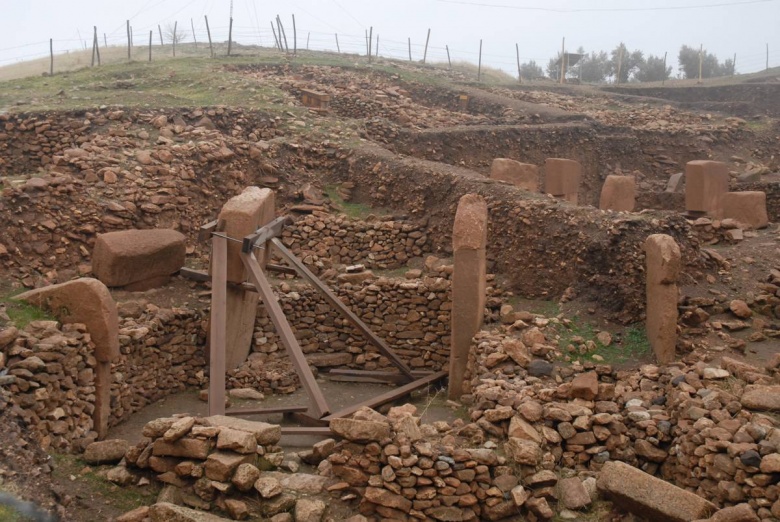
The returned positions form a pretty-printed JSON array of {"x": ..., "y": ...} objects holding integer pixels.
[
  {"x": 238, "y": 412},
  {"x": 263, "y": 234},
  {"x": 218, "y": 332}
]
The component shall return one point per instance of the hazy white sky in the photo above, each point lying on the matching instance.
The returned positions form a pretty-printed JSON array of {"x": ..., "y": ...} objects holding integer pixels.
[{"x": 725, "y": 27}]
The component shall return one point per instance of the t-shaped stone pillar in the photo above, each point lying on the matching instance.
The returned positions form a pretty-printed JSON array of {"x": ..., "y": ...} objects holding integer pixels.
[
  {"x": 663, "y": 271},
  {"x": 705, "y": 184},
  {"x": 562, "y": 178},
  {"x": 242, "y": 215},
  {"x": 469, "y": 239}
]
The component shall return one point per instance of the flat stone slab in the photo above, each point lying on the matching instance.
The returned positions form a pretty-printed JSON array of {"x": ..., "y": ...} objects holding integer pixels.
[
  {"x": 748, "y": 208},
  {"x": 132, "y": 257},
  {"x": 650, "y": 497},
  {"x": 264, "y": 433},
  {"x": 521, "y": 175},
  {"x": 166, "y": 512},
  {"x": 705, "y": 182},
  {"x": 764, "y": 398}
]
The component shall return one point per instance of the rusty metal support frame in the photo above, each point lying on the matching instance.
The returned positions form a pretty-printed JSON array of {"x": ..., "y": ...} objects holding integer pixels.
[{"x": 269, "y": 235}]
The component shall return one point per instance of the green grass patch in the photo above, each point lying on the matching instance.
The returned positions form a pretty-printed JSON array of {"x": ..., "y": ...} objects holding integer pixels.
[
  {"x": 627, "y": 347},
  {"x": 352, "y": 210},
  {"x": 21, "y": 313}
]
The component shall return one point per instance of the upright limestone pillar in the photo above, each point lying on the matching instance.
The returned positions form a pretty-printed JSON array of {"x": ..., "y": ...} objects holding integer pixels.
[
  {"x": 663, "y": 271},
  {"x": 705, "y": 184},
  {"x": 562, "y": 178},
  {"x": 242, "y": 215},
  {"x": 618, "y": 193},
  {"x": 469, "y": 239}
]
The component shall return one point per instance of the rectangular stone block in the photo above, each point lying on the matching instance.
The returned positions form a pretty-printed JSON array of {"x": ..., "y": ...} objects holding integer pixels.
[
  {"x": 562, "y": 177},
  {"x": 521, "y": 175},
  {"x": 264, "y": 433},
  {"x": 705, "y": 184},
  {"x": 242, "y": 215},
  {"x": 650, "y": 497},
  {"x": 618, "y": 194},
  {"x": 748, "y": 208}
]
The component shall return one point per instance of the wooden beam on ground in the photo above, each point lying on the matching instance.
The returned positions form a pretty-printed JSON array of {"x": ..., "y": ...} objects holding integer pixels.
[
  {"x": 195, "y": 275},
  {"x": 373, "y": 376},
  {"x": 206, "y": 230},
  {"x": 303, "y": 430},
  {"x": 218, "y": 332},
  {"x": 280, "y": 269},
  {"x": 275, "y": 312},
  {"x": 263, "y": 234},
  {"x": 334, "y": 301},
  {"x": 390, "y": 396},
  {"x": 237, "y": 412}
]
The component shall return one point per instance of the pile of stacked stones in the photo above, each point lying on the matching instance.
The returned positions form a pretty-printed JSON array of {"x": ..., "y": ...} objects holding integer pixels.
[
  {"x": 48, "y": 369},
  {"x": 697, "y": 426},
  {"x": 402, "y": 470}
]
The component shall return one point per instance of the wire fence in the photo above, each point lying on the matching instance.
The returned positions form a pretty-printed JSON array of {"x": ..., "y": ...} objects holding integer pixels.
[{"x": 105, "y": 47}]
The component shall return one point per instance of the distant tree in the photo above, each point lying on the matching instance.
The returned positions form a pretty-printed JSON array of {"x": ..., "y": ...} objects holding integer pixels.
[
  {"x": 623, "y": 63},
  {"x": 554, "y": 67},
  {"x": 530, "y": 70},
  {"x": 168, "y": 33},
  {"x": 652, "y": 70},
  {"x": 710, "y": 67},
  {"x": 594, "y": 67}
]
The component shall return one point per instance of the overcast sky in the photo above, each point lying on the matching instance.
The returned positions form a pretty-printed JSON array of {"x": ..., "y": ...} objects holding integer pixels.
[{"x": 725, "y": 27}]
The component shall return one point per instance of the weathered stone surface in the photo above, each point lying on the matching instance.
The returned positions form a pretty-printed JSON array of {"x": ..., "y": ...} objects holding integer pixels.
[
  {"x": 245, "y": 477},
  {"x": 663, "y": 270},
  {"x": 519, "y": 428},
  {"x": 220, "y": 465},
  {"x": 771, "y": 463},
  {"x": 573, "y": 494},
  {"x": 268, "y": 487},
  {"x": 739, "y": 513},
  {"x": 618, "y": 193},
  {"x": 360, "y": 430},
  {"x": 521, "y": 175},
  {"x": 165, "y": 512},
  {"x": 265, "y": 434},
  {"x": 237, "y": 509},
  {"x": 106, "y": 452},
  {"x": 747, "y": 208},
  {"x": 236, "y": 440},
  {"x": 523, "y": 451},
  {"x": 242, "y": 215},
  {"x": 135, "y": 515},
  {"x": 130, "y": 257},
  {"x": 765, "y": 398},
  {"x": 469, "y": 240},
  {"x": 179, "y": 429},
  {"x": 309, "y": 510},
  {"x": 186, "y": 448},
  {"x": 562, "y": 178},
  {"x": 585, "y": 386},
  {"x": 705, "y": 184},
  {"x": 387, "y": 498},
  {"x": 650, "y": 497}
]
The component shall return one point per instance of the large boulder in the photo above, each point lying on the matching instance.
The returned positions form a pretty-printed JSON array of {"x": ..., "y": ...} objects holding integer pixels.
[{"x": 138, "y": 259}]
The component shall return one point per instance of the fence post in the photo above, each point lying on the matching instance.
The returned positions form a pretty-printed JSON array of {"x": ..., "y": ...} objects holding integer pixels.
[
  {"x": 51, "y": 55},
  {"x": 410, "y": 49},
  {"x": 208, "y": 31},
  {"x": 97, "y": 46},
  {"x": 663, "y": 79},
  {"x": 195, "y": 38},
  {"x": 479, "y": 70},
  {"x": 449, "y": 61},
  {"x": 161, "y": 38},
  {"x": 175, "y": 26},
  {"x": 128, "y": 41},
  {"x": 425, "y": 54},
  {"x": 338, "y": 48},
  {"x": 370, "y": 42},
  {"x": 151, "y": 32},
  {"x": 519, "y": 76},
  {"x": 230, "y": 36},
  {"x": 295, "y": 38}
]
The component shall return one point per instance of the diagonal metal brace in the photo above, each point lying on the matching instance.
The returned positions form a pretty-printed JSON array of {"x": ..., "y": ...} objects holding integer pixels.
[{"x": 263, "y": 234}]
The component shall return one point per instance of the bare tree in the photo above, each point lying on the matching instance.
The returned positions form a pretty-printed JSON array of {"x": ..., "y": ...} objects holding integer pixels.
[{"x": 171, "y": 29}]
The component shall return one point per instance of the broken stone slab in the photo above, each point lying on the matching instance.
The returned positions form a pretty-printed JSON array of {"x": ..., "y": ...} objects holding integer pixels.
[
  {"x": 585, "y": 386},
  {"x": 106, "y": 452},
  {"x": 763, "y": 398},
  {"x": 309, "y": 510},
  {"x": 220, "y": 465},
  {"x": 266, "y": 434},
  {"x": 469, "y": 241},
  {"x": 562, "y": 178},
  {"x": 360, "y": 430},
  {"x": 388, "y": 499},
  {"x": 521, "y": 175},
  {"x": 705, "y": 183},
  {"x": 166, "y": 512},
  {"x": 649, "y": 497},
  {"x": 747, "y": 208},
  {"x": 523, "y": 451},
  {"x": 738, "y": 513},
  {"x": 185, "y": 448},
  {"x": 131, "y": 258},
  {"x": 663, "y": 270},
  {"x": 573, "y": 494},
  {"x": 618, "y": 194},
  {"x": 675, "y": 183}
]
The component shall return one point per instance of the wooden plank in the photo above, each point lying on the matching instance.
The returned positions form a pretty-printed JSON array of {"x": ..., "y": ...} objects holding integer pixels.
[
  {"x": 306, "y": 430},
  {"x": 334, "y": 301},
  {"x": 280, "y": 269},
  {"x": 237, "y": 412},
  {"x": 195, "y": 275},
  {"x": 218, "y": 326},
  {"x": 399, "y": 379},
  {"x": 257, "y": 277},
  {"x": 263, "y": 234},
  {"x": 375, "y": 373},
  {"x": 390, "y": 396},
  {"x": 205, "y": 231}
]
